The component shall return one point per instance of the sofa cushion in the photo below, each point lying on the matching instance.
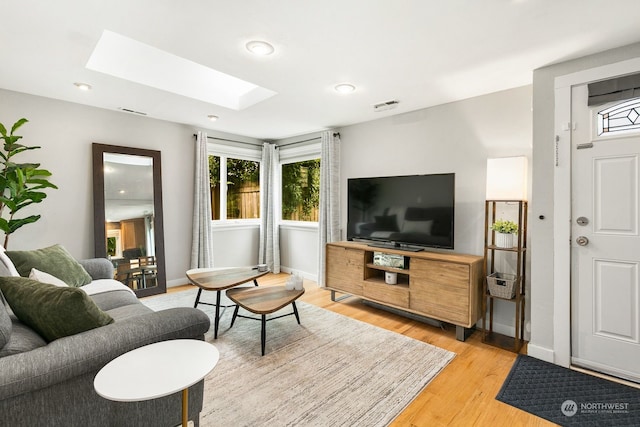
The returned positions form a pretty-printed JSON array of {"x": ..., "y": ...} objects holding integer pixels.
[
  {"x": 109, "y": 294},
  {"x": 128, "y": 311},
  {"x": 22, "y": 339},
  {"x": 52, "y": 311},
  {"x": 43, "y": 277},
  {"x": 5, "y": 325},
  {"x": 54, "y": 260}
]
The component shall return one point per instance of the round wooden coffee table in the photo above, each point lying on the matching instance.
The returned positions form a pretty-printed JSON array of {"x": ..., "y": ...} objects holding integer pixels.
[{"x": 145, "y": 373}]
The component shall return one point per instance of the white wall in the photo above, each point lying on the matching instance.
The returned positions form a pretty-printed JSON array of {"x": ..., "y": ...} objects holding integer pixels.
[
  {"x": 542, "y": 231},
  {"x": 65, "y": 131},
  {"x": 299, "y": 250},
  {"x": 456, "y": 137},
  {"x": 236, "y": 246}
]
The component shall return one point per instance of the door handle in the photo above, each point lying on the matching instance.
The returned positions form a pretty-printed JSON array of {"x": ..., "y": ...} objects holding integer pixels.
[{"x": 582, "y": 241}]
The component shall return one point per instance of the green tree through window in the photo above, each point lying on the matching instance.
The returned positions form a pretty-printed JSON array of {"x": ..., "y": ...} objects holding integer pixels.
[
  {"x": 301, "y": 190},
  {"x": 243, "y": 188}
]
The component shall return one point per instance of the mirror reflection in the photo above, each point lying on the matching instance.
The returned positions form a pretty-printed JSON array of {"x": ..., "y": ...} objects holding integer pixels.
[
  {"x": 129, "y": 218},
  {"x": 128, "y": 215}
]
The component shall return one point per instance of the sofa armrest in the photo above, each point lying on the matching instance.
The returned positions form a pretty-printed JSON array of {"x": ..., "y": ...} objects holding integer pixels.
[
  {"x": 89, "y": 351},
  {"x": 98, "y": 268}
]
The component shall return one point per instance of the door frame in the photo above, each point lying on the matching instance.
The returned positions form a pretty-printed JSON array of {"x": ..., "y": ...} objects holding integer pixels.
[{"x": 562, "y": 198}]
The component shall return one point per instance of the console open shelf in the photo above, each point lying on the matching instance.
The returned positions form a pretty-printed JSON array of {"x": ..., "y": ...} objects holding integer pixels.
[{"x": 441, "y": 286}]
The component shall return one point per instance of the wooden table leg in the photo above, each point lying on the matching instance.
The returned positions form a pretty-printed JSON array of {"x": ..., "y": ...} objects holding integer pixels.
[{"x": 185, "y": 407}]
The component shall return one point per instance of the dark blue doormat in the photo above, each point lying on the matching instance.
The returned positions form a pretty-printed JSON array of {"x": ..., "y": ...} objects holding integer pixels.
[{"x": 567, "y": 397}]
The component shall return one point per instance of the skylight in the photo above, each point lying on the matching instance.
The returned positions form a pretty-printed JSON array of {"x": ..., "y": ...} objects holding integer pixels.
[{"x": 137, "y": 62}]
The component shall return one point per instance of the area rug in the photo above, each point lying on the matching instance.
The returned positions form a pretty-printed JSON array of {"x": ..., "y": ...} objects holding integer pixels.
[
  {"x": 568, "y": 397},
  {"x": 329, "y": 371}
]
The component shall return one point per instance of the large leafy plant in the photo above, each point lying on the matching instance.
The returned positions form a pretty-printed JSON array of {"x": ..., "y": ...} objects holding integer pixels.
[{"x": 21, "y": 184}]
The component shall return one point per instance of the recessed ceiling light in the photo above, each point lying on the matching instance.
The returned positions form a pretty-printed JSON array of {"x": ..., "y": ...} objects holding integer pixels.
[
  {"x": 345, "y": 88},
  {"x": 259, "y": 47},
  {"x": 82, "y": 86},
  {"x": 212, "y": 117}
]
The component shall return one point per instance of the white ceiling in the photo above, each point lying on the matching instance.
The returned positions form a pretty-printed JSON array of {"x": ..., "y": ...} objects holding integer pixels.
[{"x": 420, "y": 52}]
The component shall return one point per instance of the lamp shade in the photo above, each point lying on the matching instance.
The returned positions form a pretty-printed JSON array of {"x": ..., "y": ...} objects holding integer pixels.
[{"x": 507, "y": 178}]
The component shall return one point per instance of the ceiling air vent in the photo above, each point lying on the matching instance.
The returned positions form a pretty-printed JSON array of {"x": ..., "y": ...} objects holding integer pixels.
[
  {"x": 387, "y": 105},
  {"x": 128, "y": 110}
]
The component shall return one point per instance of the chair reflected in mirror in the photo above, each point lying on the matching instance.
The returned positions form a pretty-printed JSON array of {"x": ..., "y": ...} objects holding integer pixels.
[
  {"x": 138, "y": 273},
  {"x": 132, "y": 253}
]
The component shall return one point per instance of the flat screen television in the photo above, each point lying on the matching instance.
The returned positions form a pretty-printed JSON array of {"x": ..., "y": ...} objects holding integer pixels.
[{"x": 408, "y": 212}]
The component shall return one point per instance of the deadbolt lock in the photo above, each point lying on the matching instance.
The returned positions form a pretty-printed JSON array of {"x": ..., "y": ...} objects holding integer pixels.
[{"x": 582, "y": 221}]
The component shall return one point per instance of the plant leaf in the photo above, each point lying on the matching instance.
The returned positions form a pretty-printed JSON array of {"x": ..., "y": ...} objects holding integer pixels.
[
  {"x": 14, "y": 224},
  {"x": 17, "y": 124}
]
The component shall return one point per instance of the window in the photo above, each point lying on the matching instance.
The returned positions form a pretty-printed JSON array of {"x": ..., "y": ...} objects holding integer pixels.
[
  {"x": 301, "y": 190},
  {"x": 623, "y": 117},
  {"x": 242, "y": 189}
]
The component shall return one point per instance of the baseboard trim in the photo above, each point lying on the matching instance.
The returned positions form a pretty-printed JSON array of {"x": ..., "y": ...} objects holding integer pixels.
[
  {"x": 542, "y": 353},
  {"x": 177, "y": 282},
  {"x": 305, "y": 275}
]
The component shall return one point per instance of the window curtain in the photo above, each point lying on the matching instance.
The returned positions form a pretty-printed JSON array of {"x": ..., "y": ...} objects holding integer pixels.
[
  {"x": 329, "y": 216},
  {"x": 269, "y": 252},
  {"x": 202, "y": 237}
]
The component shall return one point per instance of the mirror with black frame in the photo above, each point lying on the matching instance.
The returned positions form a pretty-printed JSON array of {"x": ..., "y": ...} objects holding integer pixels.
[{"x": 128, "y": 228}]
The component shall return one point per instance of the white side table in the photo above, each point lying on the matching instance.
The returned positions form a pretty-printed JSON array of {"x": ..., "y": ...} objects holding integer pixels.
[{"x": 157, "y": 370}]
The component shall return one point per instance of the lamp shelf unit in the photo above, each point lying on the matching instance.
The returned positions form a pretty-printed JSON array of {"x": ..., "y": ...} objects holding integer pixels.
[{"x": 491, "y": 252}]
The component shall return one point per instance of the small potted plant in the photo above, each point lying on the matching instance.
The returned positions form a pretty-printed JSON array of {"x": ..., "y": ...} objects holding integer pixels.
[{"x": 505, "y": 230}]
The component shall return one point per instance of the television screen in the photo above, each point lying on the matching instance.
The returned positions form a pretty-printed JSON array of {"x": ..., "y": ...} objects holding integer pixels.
[{"x": 402, "y": 211}]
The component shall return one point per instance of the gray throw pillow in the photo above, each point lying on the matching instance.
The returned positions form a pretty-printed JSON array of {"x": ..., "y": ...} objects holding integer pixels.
[
  {"x": 54, "y": 260},
  {"x": 52, "y": 311}
]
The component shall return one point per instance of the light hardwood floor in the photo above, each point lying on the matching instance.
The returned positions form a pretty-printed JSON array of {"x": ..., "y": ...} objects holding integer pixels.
[{"x": 463, "y": 394}]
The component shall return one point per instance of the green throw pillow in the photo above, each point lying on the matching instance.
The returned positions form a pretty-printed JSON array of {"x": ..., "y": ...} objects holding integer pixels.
[
  {"x": 52, "y": 311},
  {"x": 54, "y": 260}
]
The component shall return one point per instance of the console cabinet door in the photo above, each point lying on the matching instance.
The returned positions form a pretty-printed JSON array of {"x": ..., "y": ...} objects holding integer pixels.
[
  {"x": 440, "y": 290},
  {"x": 396, "y": 295},
  {"x": 345, "y": 269}
]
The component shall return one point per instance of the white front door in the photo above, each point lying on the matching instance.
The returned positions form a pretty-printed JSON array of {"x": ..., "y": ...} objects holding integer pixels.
[{"x": 605, "y": 241}]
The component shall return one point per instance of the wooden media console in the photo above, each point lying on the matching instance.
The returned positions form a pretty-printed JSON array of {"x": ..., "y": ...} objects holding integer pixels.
[{"x": 441, "y": 286}]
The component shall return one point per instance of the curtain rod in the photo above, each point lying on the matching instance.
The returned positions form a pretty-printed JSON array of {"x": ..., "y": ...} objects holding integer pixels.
[
  {"x": 306, "y": 140},
  {"x": 231, "y": 140},
  {"x": 260, "y": 145}
]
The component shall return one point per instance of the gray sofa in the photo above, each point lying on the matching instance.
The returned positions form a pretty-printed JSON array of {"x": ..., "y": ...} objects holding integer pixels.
[{"x": 52, "y": 384}]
